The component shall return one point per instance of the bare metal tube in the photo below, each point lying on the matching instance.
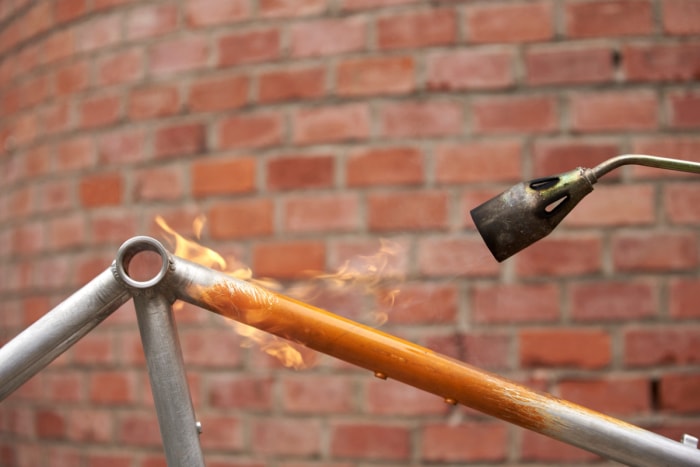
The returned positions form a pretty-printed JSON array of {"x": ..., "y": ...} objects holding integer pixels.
[
  {"x": 171, "y": 394},
  {"x": 161, "y": 346},
  {"x": 51, "y": 335},
  {"x": 417, "y": 366}
]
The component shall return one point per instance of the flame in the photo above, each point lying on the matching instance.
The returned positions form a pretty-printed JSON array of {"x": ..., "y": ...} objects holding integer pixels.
[{"x": 362, "y": 274}]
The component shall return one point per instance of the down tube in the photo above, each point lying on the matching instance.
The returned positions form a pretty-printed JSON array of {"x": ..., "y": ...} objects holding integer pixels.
[
  {"x": 422, "y": 368},
  {"x": 51, "y": 335}
]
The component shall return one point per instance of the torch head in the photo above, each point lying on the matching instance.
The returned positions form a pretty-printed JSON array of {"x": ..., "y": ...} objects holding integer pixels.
[{"x": 529, "y": 211}]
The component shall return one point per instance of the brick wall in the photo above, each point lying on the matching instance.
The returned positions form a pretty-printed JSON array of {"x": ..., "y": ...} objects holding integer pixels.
[{"x": 306, "y": 131}]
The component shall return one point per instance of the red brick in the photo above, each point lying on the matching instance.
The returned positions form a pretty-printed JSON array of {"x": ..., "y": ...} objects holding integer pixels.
[
  {"x": 292, "y": 172},
  {"x": 286, "y": 437},
  {"x": 678, "y": 393},
  {"x": 66, "y": 232},
  {"x": 112, "y": 227},
  {"x": 385, "y": 166},
  {"x": 510, "y": 303},
  {"x": 50, "y": 424},
  {"x": 464, "y": 256},
  {"x": 377, "y": 258},
  {"x": 290, "y": 8},
  {"x": 363, "y": 441},
  {"x": 100, "y": 111},
  {"x": 55, "y": 195},
  {"x": 249, "y": 47},
  {"x": 565, "y": 65},
  {"x": 160, "y": 183},
  {"x": 56, "y": 118},
  {"x": 375, "y": 75},
  {"x": 291, "y": 84},
  {"x": 180, "y": 139},
  {"x": 28, "y": 238},
  {"x": 314, "y": 394},
  {"x": 220, "y": 93},
  {"x": 63, "y": 387},
  {"x": 121, "y": 67},
  {"x": 178, "y": 55},
  {"x": 565, "y": 347},
  {"x": 537, "y": 447},
  {"x": 108, "y": 460},
  {"x": 661, "y": 62},
  {"x": 241, "y": 219},
  {"x": 572, "y": 255},
  {"x": 106, "y": 189},
  {"x": 287, "y": 260},
  {"x": 684, "y": 109},
  {"x": 223, "y": 432},
  {"x": 516, "y": 114},
  {"x": 417, "y": 29},
  {"x": 425, "y": 210},
  {"x": 684, "y": 297},
  {"x": 391, "y": 398},
  {"x": 421, "y": 119},
  {"x": 92, "y": 425},
  {"x": 94, "y": 349},
  {"x": 655, "y": 252},
  {"x": 518, "y": 22},
  {"x": 111, "y": 387},
  {"x": 250, "y": 393},
  {"x": 74, "y": 153},
  {"x": 151, "y": 21},
  {"x": 23, "y": 130},
  {"x": 646, "y": 347},
  {"x": 331, "y": 123},
  {"x": 325, "y": 213},
  {"x": 212, "y": 177},
  {"x": 327, "y": 37},
  {"x": 608, "y": 18},
  {"x": 488, "y": 442},
  {"x": 122, "y": 146},
  {"x": 33, "y": 91},
  {"x": 158, "y": 100},
  {"x": 107, "y": 4},
  {"x": 612, "y": 111},
  {"x": 251, "y": 130},
  {"x": 211, "y": 348},
  {"x": 681, "y": 17},
  {"x": 205, "y": 13},
  {"x": 101, "y": 32},
  {"x": 138, "y": 429},
  {"x": 478, "y": 162},
  {"x": 37, "y": 19},
  {"x": 415, "y": 304},
  {"x": 68, "y": 10},
  {"x": 370, "y": 4},
  {"x": 615, "y": 205},
  {"x": 612, "y": 301},
  {"x": 558, "y": 156},
  {"x": 470, "y": 69}
]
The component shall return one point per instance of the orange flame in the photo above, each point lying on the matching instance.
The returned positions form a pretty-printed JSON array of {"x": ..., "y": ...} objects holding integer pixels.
[{"x": 364, "y": 274}]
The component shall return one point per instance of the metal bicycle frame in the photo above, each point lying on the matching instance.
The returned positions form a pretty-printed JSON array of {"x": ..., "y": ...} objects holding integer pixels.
[{"x": 385, "y": 355}]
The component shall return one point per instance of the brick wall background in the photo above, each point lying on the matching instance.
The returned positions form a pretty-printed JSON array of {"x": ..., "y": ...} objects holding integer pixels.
[{"x": 306, "y": 130}]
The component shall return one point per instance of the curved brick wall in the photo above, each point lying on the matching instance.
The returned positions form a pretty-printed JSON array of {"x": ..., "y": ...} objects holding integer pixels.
[{"x": 306, "y": 131}]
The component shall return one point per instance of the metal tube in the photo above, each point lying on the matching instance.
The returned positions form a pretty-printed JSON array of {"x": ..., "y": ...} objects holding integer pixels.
[
  {"x": 166, "y": 371},
  {"x": 456, "y": 382},
  {"x": 648, "y": 161},
  {"x": 51, "y": 335}
]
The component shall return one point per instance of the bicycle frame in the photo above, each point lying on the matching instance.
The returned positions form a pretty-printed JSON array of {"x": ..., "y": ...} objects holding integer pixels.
[{"x": 387, "y": 356}]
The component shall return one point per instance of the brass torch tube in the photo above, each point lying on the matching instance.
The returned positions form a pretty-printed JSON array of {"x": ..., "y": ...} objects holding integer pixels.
[{"x": 456, "y": 382}]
